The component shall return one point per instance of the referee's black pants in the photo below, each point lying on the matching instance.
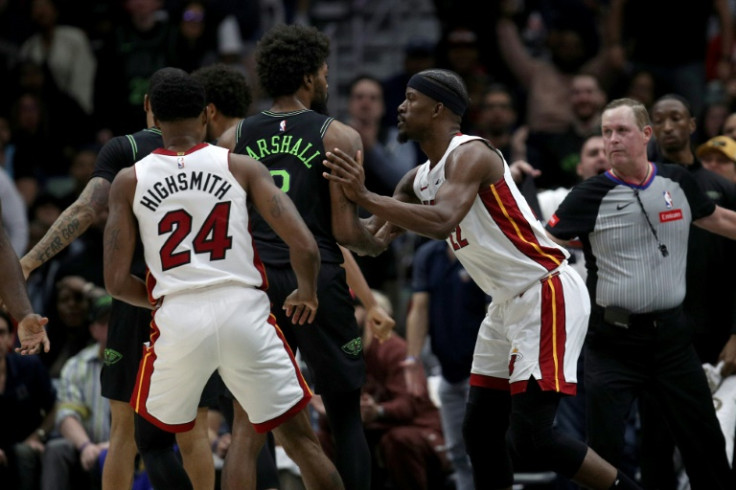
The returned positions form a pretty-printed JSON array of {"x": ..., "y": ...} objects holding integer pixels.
[{"x": 654, "y": 355}]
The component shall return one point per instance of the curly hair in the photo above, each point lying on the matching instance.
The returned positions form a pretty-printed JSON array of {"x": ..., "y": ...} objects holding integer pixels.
[
  {"x": 226, "y": 88},
  {"x": 177, "y": 97},
  {"x": 286, "y": 53}
]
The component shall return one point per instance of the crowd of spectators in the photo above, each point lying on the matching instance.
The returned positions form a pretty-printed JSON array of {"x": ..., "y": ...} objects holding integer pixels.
[{"x": 539, "y": 73}]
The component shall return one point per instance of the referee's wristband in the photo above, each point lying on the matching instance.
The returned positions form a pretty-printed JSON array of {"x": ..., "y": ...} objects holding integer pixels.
[{"x": 410, "y": 360}]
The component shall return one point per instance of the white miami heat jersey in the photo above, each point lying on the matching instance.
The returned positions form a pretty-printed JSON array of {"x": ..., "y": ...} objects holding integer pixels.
[
  {"x": 499, "y": 242},
  {"x": 193, "y": 221}
]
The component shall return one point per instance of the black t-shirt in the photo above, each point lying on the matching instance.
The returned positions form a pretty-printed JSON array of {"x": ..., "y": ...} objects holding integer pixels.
[
  {"x": 123, "y": 152},
  {"x": 710, "y": 301},
  {"x": 28, "y": 392},
  {"x": 290, "y": 145}
]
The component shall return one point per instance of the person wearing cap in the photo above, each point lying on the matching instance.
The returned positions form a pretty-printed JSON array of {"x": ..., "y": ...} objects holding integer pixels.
[
  {"x": 83, "y": 416},
  {"x": 719, "y": 155},
  {"x": 528, "y": 345},
  {"x": 635, "y": 222},
  {"x": 710, "y": 290}
]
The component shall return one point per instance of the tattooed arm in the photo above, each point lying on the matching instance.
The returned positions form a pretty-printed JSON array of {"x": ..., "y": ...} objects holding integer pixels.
[
  {"x": 72, "y": 223},
  {"x": 120, "y": 237}
]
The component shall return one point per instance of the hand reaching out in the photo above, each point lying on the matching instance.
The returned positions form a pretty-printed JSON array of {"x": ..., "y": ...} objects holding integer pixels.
[
  {"x": 347, "y": 172},
  {"x": 32, "y": 335},
  {"x": 380, "y": 322}
]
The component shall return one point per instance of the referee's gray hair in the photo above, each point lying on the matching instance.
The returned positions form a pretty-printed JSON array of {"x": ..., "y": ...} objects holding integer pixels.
[{"x": 641, "y": 116}]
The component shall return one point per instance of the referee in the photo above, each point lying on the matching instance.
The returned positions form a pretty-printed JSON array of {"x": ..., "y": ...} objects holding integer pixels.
[{"x": 634, "y": 222}]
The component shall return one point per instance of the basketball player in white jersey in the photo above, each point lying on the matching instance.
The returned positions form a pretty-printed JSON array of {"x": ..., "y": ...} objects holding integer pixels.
[
  {"x": 528, "y": 345},
  {"x": 189, "y": 202}
]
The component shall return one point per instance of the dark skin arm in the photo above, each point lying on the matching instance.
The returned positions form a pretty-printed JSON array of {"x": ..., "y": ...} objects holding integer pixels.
[
  {"x": 31, "y": 331},
  {"x": 121, "y": 232},
  {"x": 348, "y": 229},
  {"x": 469, "y": 168},
  {"x": 282, "y": 216},
  {"x": 69, "y": 225}
]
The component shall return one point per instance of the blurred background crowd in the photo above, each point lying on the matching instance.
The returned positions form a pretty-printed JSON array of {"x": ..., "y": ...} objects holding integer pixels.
[{"x": 73, "y": 74}]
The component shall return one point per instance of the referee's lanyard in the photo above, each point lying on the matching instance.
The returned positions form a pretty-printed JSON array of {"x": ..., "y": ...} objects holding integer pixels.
[{"x": 661, "y": 246}]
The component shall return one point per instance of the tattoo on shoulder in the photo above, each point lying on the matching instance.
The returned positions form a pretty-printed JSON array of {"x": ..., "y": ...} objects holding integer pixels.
[{"x": 100, "y": 193}]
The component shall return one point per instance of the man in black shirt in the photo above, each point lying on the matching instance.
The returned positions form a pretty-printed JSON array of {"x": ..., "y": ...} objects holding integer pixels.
[
  {"x": 711, "y": 292},
  {"x": 290, "y": 139},
  {"x": 710, "y": 300}
]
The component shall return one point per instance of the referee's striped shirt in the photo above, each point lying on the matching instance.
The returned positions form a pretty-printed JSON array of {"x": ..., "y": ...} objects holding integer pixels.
[{"x": 622, "y": 251}]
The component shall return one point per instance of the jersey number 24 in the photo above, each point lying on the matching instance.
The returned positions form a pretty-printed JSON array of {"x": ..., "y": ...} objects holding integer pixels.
[{"x": 212, "y": 237}]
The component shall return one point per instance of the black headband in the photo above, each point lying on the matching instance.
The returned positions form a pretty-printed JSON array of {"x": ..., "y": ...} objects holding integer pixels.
[{"x": 438, "y": 92}]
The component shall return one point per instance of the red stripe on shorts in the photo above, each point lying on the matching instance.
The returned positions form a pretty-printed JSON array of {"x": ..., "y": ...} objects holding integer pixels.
[
  {"x": 552, "y": 338},
  {"x": 275, "y": 422},
  {"x": 143, "y": 385}
]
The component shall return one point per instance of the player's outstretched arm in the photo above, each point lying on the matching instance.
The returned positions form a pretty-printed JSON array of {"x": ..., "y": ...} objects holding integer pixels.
[
  {"x": 468, "y": 168},
  {"x": 282, "y": 216},
  {"x": 120, "y": 236},
  {"x": 358, "y": 235},
  {"x": 69, "y": 225}
]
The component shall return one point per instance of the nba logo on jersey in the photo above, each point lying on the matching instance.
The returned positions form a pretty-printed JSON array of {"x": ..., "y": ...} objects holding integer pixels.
[
  {"x": 180, "y": 162},
  {"x": 282, "y": 126},
  {"x": 668, "y": 199}
]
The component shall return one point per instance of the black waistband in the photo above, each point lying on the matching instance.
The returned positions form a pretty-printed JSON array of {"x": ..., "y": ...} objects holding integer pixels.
[
  {"x": 652, "y": 318},
  {"x": 655, "y": 315}
]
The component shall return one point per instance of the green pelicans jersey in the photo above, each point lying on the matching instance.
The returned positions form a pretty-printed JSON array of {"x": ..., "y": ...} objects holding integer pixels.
[{"x": 290, "y": 145}]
